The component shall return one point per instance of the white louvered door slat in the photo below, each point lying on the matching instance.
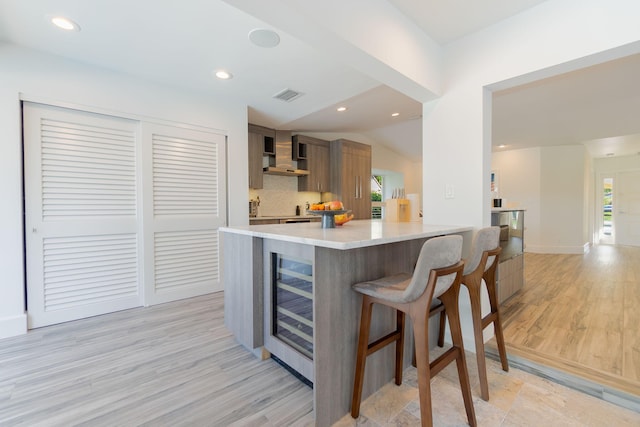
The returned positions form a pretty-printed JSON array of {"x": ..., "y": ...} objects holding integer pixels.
[
  {"x": 81, "y": 203},
  {"x": 187, "y": 204}
]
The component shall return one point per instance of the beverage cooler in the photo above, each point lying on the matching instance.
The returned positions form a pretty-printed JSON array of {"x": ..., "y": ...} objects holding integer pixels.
[{"x": 288, "y": 307}]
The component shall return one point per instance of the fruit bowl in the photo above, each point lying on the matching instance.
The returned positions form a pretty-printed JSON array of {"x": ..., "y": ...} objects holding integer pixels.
[{"x": 328, "y": 217}]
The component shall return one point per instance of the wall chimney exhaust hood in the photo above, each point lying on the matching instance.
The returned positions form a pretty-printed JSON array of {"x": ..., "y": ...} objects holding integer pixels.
[{"x": 285, "y": 165}]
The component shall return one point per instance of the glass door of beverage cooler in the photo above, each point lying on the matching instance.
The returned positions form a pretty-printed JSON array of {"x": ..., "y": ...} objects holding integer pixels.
[
  {"x": 293, "y": 302},
  {"x": 288, "y": 306}
]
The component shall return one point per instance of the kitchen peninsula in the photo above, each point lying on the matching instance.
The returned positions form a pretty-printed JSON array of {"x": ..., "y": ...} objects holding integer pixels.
[{"x": 288, "y": 290}]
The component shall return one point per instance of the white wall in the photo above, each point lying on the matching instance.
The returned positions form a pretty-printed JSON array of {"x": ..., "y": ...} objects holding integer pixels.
[
  {"x": 519, "y": 184},
  {"x": 49, "y": 79},
  {"x": 562, "y": 200},
  {"x": 551, "y": 184},
  {"x": 550, "y": 38},
  {"x": 385, "y": 159},
  {"x": 617, "y": 164}
]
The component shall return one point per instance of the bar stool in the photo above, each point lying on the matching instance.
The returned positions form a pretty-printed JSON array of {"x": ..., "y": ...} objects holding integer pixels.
[
  {"x": 482, "y": 264},
  {"x": 437, "y": 274}
]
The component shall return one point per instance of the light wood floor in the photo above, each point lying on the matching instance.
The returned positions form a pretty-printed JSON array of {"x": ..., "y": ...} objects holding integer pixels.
[
  {"x": 177, "y": 365},
  {"x": 581, "y": 314},
  {"x": 167, "y": 365}
]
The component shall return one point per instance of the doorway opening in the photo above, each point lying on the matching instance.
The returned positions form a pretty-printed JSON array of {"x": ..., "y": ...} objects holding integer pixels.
[{"x": 607, "y": 228}]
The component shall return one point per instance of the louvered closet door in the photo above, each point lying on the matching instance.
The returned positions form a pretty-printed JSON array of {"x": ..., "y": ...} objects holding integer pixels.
[
  {"x": 185, "y": 171},
  {"x": 81, "y": 203}
]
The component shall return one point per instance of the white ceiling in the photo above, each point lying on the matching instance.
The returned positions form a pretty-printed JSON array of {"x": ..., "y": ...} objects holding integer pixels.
[
  {"x": 597, "y": 106},
  {"x": 180, "y": 44}
]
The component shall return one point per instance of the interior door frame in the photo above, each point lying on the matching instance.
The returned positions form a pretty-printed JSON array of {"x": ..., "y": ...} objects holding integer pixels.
[{"x": 622, "y": 202}]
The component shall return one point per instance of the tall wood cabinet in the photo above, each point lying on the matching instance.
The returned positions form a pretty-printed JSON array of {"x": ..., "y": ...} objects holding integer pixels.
[
  {"x": 261, "y": 142},
  {"x": 351, "y": 176},
  {"x": 313, "y": 155}
]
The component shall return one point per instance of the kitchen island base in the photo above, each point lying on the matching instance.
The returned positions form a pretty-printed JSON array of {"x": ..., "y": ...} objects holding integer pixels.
[{"x": 336, "y": 309}]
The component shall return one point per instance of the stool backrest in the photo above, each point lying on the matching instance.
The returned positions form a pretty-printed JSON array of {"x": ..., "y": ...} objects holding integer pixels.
[
  {"x": 437, "y": 252},
  {"x": 485, "y": 240}
]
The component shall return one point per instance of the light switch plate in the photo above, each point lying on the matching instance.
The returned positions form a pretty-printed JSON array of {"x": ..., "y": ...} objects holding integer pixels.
[{"x": 449, "y": 191}]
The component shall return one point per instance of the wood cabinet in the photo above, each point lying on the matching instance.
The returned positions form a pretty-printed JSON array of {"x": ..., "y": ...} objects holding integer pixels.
[
  {"x": 351, "y": 176},
  {"x": 261, "y": 142},
  {"x": 511, "y": 268},
  {"x": 510, "y": 277},
  {"x": 313, "y": 155}
]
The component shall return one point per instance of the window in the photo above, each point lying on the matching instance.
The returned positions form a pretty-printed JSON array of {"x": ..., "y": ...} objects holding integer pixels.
[{"x": 376, "y": 196}]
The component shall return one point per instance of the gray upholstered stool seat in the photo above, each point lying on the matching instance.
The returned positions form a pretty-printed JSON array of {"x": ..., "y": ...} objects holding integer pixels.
[{"x": 437, "y": 274}]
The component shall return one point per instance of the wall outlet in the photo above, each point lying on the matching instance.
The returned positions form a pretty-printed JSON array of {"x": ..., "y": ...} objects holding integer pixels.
[{"x": 449, "y": 191}]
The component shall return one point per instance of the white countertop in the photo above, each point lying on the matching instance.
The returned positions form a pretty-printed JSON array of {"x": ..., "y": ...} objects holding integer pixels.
[{"x": 354, "y": 234}]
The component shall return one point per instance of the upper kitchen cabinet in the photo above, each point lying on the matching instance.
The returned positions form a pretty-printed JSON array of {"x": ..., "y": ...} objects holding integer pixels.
[
  {"x": 313, "y": 155},
  {"x": 261, "y": 143},
  {"x": 351, "y": 176}
]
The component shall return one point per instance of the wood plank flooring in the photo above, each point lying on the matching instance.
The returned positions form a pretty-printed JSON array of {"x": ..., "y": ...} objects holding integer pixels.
[
  {"x": 171, "y": 364},
  {"x": 177, "y": 365},
  {"x": 580, "y": 313}
]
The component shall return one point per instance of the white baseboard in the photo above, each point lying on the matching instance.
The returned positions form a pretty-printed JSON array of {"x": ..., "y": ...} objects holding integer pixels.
[{"x": 12, "y": 326}]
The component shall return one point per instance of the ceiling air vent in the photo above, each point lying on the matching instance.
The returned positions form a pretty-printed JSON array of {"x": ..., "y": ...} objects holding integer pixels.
[{"x": 287, "y": 95}]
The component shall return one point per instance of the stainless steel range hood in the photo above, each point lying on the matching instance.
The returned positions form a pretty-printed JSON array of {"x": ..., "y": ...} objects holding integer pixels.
[{"x": 285, "y": 164}]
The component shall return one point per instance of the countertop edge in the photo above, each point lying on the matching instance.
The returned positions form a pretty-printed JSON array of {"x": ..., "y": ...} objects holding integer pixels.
[{"x": 432, "y": 231}]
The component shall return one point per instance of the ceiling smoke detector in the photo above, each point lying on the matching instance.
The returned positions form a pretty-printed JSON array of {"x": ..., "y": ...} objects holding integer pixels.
[
  {"x": 287, "y": 95},
  {"x": 264, "y": 38}
]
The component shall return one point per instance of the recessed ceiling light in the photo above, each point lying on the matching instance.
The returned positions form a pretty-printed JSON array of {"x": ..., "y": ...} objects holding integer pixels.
[
  {"x": 264, "y": 38},
  {"x": 223, "y": 75},
  {"x": 341, "y": 109},
  {"x": 501, "y": 146},
  {"x": 395, "y": 114},
  {"x": 64, "y": 23}
]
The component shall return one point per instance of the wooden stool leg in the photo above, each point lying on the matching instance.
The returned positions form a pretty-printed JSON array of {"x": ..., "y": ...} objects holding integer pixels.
[
  {"x": 421, "y": 336},
  {"x": 443, "y": 318},
  {"x": 399, "y": 345},
  {"x": 497, "y": 322},
  {"x": 361, "y": 357},
  {"x": 476, "y": 315},
  {"x": 450, "y": 300}
]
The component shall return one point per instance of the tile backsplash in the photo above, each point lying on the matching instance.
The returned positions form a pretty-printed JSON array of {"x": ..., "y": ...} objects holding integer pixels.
[{"x": 280, "y": 196}]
